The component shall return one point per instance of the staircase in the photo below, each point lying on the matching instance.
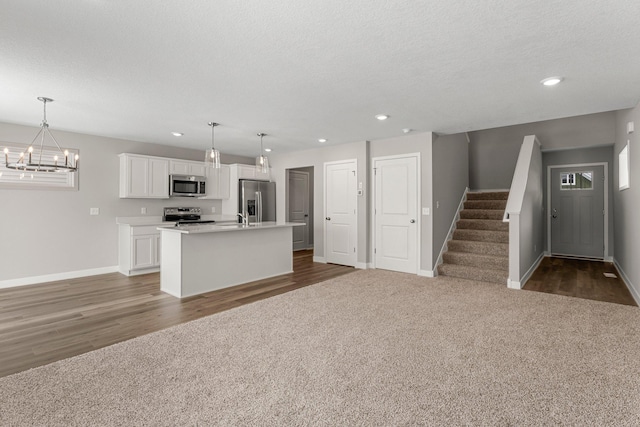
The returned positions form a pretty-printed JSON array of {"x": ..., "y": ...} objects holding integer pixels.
[{"x": 479, "y": 249}]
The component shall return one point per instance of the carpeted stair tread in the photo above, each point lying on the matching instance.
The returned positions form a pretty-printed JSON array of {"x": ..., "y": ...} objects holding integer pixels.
[
  {"x": 481, "y": 214},
  {"x": 477, "y": 260},
  {"x": 487, "y": 248},
  {"x": 488, "y": 195},
  {"x": 486, "y": 204},
  {"x": 483, "y": 224},
  {"x": 482, "y": 235},
  {"x": 473, "y": 273}
]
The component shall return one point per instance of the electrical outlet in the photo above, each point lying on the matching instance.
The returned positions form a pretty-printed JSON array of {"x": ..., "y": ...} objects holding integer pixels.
[
  {"x": 425, "y": 211},
  {"x": 213, "y": 209},
  {"x": 143, "y": 211},
  {"x": 94, "y": 211},
  {"x": 437, "y": 205}
]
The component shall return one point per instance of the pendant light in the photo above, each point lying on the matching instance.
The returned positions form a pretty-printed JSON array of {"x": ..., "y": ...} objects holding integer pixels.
[
  {"x": 212, "y": 156},
  {"x": 43, "y": 160},
  {"x": 262, "y": 162}
]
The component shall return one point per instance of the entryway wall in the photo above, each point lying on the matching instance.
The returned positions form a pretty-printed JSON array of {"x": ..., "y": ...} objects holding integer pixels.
[{"x": 580, "y": 156}]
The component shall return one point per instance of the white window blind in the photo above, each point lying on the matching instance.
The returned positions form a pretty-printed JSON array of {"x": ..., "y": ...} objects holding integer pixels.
[{"x": 21, "y": 179}]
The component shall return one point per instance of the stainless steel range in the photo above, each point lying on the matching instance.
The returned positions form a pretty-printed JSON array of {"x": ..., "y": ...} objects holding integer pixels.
[{"x": 184, "y": 216}]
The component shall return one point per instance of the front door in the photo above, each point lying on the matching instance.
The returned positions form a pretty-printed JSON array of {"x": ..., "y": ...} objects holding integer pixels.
[
  {"x": 396, "y": 208},
  {"x": 299, "y": 208},
  {"x": 577, "y": 211},
  {"x": 340, "y": 213}
]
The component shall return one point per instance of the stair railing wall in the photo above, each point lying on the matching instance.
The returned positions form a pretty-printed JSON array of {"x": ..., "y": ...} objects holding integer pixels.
[{"x": 524, "y": 212}]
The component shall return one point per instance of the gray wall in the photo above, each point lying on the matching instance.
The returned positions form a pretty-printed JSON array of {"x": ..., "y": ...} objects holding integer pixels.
[
  {"x": 450, "y": 180},
  {"x": 531, "y": 216},
  {"x": 317, "y": 158},
  {"x": 51, "y": 231},
  {"x": 578, "y": 156},
  {"x": 627, "y": 202},
  {"x": 493, "y": 152}
]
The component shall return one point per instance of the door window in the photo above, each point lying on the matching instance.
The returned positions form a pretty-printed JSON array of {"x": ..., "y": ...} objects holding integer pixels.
[{"x": 576, "y": 180}]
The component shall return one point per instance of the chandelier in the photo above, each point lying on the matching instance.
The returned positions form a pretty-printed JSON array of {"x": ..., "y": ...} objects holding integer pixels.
[
  {"x": 212, "y": 156},
  {"x": 262, "y": 162},
  {"x": 41, "y": 160}
]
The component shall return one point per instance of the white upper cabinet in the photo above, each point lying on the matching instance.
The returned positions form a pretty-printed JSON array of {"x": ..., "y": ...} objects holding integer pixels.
[
  {"x": 144, "y": 177},
  {"x": 184, "y": 167},
  {"x": 218, "y": 182},
  {"x": 250, "y": 172}
]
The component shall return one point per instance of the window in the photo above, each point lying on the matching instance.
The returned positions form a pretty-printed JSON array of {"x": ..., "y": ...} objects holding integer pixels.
[
  {"x": 576, "y": 180},
  {"x": 17, "y": 179},
  {"x": 623, "y": 168}
]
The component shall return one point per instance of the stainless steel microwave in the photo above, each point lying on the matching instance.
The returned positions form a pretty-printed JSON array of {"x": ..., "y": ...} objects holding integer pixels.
[{"x": 187, "y": 185}]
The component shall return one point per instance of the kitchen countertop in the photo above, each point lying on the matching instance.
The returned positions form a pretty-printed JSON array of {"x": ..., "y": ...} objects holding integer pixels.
[
  {"x": 157, "y": 220},
  {"x": 224, "y": 227}
]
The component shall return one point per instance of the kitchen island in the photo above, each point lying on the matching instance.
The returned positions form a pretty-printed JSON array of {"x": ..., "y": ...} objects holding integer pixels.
[{"x": 202, "y": 258}]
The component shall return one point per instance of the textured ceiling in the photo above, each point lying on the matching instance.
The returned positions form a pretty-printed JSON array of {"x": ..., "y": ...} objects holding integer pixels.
[{"x": 303, "y": 70}]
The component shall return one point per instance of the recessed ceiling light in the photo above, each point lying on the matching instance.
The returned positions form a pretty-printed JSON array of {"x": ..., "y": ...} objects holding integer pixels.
[
  {"x": 551, "y": 81},
  {"x": 177, "y": 133},
  {"x": 268, "y": 150},
  {"x": 382, "y": 117},
  {"x": 406, "y": 130},
  {"x": 322, "y": 140}
]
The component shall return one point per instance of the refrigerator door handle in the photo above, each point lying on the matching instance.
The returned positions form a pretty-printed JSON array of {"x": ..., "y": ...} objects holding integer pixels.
[{"x": 258, "y": 206}]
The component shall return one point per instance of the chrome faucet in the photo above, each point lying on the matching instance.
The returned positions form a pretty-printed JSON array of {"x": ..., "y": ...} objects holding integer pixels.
[{"x": 245, "y": 219}]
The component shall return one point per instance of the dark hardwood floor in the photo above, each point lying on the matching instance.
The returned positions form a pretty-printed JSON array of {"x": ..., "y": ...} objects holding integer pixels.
[
  {"x": 42, "y": 323},
  {"x": 579, "y": 278}
]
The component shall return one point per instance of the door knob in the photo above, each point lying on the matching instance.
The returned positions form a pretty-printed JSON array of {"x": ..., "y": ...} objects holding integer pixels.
[
  {"x": 305, "y": 215},
  {"x": 412, "y": 221},
  {"x": 328, "y": 218}
]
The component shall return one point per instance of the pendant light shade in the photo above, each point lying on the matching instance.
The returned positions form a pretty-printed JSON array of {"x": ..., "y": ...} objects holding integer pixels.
[
  {"x": 262, "y": 161},
  {"x": 212, "y": 156}
]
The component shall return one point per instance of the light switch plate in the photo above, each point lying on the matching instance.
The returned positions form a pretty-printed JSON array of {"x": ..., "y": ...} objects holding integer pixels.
[
  {"x": 425, "y": 211},
  {"x": 630, "y": 127},
  {"x": 143, "y": 211},
  {"x": 94, "y": 211},
  {"x": 213, "y": 209}
]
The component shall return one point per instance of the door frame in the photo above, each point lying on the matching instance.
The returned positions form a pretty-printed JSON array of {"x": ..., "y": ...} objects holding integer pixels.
[
  {"x": 309, "y": 197},
  {"x": 372, "y": 206},
  {"x": 606, "y": 202},
  {"x": 324, "y": 209}
]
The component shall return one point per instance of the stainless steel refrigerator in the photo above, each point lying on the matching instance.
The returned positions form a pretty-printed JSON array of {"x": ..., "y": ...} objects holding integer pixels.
[{"x": 257, "y": 200}]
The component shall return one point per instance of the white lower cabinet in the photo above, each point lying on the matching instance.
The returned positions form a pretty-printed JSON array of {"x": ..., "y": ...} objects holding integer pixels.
[{"x": 139, "y": 249}]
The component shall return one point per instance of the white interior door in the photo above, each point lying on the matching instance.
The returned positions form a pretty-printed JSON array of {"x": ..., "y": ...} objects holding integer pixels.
[
  {"x": 299, "y": 208},
  {"x": 340, "y": 213},
  {"x": 395, "y": 215}
]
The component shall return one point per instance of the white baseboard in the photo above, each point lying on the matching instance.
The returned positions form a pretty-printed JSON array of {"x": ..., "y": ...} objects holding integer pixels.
[
  {"x": 319, "y": 259},
  {"x": 57, "y": 276},
  {"x": 139, "y": 272},
  {"x": 361, "y": 265},
  {"x": 427, "y": 273},
  {"x": 370, "y": 266},
  {"x": 512, "y": 284},
  {"x": 634, "y": 293}
]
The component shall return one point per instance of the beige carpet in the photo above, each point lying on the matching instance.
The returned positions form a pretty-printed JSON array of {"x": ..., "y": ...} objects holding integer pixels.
[{"x": 368, "y": 348}]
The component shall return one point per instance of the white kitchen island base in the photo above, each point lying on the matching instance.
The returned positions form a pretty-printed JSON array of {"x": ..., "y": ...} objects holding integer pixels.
[{"x": 200, "y": 259}]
